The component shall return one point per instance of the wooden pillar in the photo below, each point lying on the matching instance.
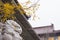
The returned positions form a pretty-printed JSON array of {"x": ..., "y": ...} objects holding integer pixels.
[
  {"x": 51, "y": 38},
  {"x": 58, "y": 37}
]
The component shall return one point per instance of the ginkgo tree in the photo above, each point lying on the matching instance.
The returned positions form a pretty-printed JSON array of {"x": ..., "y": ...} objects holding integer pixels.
[{"x": 30, "y": 7}]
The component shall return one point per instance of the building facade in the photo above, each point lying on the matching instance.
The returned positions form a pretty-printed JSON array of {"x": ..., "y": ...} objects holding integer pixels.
[{"x": 47, "y": 33}]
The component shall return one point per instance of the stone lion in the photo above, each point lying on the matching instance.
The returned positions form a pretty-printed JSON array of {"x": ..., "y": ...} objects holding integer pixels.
[{"x": 10, "y": 30}]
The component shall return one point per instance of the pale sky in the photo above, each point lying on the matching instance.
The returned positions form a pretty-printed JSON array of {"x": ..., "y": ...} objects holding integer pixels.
[{"x": 49, "y": 12}]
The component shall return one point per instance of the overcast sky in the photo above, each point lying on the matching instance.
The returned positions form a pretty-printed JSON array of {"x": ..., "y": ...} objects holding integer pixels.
[{"x": 49, "y": 12}]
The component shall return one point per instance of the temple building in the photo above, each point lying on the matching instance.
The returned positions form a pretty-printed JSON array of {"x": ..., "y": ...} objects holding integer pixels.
[{"x": 47, "y": 32}]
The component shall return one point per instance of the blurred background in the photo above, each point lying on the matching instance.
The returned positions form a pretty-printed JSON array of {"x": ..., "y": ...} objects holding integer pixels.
[{"x": 42, "y": 12}]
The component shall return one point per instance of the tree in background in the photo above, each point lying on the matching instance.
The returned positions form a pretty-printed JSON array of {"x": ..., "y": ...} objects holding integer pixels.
[{"x": 30, "y": 7}]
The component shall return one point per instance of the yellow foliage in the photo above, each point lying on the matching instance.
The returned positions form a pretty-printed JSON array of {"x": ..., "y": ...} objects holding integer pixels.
[
  {"x": 19, "y": 7},
  {"x": 7, "y": 10}
]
